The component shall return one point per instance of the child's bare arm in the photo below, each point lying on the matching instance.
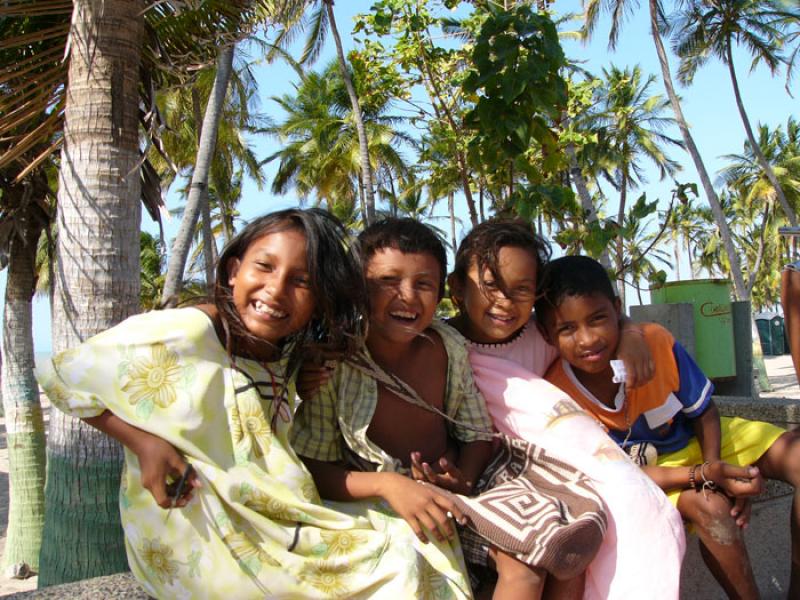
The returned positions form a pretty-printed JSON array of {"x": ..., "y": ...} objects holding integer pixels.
[
  {"x": 421, "y": 505},
  {"x": 635, "y": 353},
  {"x": 709, "y": 435},
  {"x": 158, "y": 459},
  {"x": 734, "y": 480}
]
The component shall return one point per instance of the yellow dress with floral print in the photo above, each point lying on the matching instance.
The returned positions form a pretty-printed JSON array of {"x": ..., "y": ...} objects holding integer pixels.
[{"x": 256, "y": 528}]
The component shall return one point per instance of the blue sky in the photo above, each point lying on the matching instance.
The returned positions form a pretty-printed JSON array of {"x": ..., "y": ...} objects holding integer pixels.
[{"x": 708, "y": 105}]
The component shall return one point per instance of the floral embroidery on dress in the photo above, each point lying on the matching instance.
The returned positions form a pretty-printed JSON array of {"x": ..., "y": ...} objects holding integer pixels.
[
  {"x": 265, "y": 504},
  {"x": 153, "y": 381},
  {"x": 433, "y": 584},
  {"x": 249, "y": 427},
  {"x": 159, "y": 560},
  {"x": 329, "y": 578},
  {"x": 247, "y": 553},
  {"x": 342, "y": 543}
]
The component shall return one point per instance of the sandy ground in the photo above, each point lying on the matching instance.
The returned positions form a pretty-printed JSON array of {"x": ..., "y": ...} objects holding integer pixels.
[{"x": 779, "y": 368}]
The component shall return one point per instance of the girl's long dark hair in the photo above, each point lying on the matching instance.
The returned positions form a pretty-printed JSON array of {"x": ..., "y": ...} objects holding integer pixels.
[{"x": 335, "y": 280}]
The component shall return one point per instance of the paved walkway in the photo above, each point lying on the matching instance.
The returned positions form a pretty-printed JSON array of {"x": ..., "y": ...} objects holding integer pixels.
[{"x": 779, "y": 369}]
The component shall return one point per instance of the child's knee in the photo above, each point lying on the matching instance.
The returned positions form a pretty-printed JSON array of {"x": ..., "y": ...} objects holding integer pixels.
[{"x": 710, "y": 513}]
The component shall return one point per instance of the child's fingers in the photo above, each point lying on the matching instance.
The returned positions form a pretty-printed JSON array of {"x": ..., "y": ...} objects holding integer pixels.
[
  {"x": 741, "y": 511},
  {"x": 416, "y": 466},
  {"x": 430, "y": 474},
  {"x": 741, "y": 481}
]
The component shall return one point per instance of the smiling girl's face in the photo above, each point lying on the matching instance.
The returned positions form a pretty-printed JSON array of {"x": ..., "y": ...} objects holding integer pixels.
[
  {"x": 270, "y": 286},
  {"x": 489, "y": 315}
]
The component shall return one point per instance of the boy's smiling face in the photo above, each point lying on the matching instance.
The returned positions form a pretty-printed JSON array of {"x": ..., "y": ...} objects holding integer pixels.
[
  {"x": 586, "y": 331},
  {"x": 403, "y": 293}
]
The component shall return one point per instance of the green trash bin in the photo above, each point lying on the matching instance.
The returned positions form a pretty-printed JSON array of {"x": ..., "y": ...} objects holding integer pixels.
[
  {"x": 777, "y": 328},
  {"x": 713, "y": 321},
  {"x": 765, "y": 336}
]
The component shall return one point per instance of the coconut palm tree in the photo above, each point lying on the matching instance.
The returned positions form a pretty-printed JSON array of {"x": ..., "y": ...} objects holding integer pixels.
[
  {"x": 323, "y": 21},
  {"x": 630, "y": 123},
  {"x": 743, "y": 171},
  {"x": 712, "y": 28},
  {"x": 320, "y": 153},
  {"x": 25, "y": 211},
  {"x": 619, "y": 9},
  {"x": 97, "y": 272}
]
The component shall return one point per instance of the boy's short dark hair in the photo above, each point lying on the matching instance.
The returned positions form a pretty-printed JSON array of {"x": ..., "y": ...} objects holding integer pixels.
[
  {"x": 406, "y": 235},
  {"x": 570, "y": 276}
]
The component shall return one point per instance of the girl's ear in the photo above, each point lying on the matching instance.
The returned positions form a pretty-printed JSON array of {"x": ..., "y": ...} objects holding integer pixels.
[{"x": 233, "y": 268}]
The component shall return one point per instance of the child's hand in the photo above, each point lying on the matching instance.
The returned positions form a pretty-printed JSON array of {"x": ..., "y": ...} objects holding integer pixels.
[
  {"x": 741, "y": 511},
  {"x": 735, "y": 481},
  {"x": 422, "y": 506},
  {"x": 312, "y": 376},
  {"x": 447, "y": 476},
  {"x": 635, "y": 353},
  {"x": 158, "y": 462}
]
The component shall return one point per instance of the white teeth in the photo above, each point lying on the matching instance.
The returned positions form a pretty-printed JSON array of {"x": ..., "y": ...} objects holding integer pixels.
[
  {"x": 266, "y": 310},
  {"x": 404, "y": 315}
]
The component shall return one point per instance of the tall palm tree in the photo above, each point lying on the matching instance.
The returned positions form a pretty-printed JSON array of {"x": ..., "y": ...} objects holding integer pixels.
[
  {"x": 320, "y": 153},
  {"x": 619, "y": 9},
  {"x": 96, "y": 285},
  {"x": 97, "y": 274},
  {"x": 712, "y": 28},
  {"x": 24, "y": 214},
  {"x": 631, "y": 123},
  {"x": 322, "y": 22}
]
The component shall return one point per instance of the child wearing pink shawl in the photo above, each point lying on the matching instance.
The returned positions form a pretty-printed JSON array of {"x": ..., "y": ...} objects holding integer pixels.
[{"x": 494, "y": 286}]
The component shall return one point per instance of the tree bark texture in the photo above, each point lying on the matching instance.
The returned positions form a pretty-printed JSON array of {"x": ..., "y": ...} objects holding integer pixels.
[
  {"x": 363, "y": 145},
  {"x": 577, "y": 178},
  {"x": 198, "y": 189},
  {"x": 23, "y": 412},
  {"x": 713, "y": 201},
  {"x": 96, "y": 278}
]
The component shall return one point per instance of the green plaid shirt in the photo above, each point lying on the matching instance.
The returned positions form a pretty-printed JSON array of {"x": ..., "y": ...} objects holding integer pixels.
[{"x": 338, "y": 417}]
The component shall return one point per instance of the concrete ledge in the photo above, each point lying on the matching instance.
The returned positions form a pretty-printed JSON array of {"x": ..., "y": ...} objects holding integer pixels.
[
  {"x": 121, "y": 586},
  {"x": 780, "y": 411},
  {"x": 768, "y": 537}
]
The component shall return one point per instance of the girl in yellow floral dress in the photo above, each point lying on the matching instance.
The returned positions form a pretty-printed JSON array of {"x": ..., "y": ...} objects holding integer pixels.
[{"x": 211, "y": 386}]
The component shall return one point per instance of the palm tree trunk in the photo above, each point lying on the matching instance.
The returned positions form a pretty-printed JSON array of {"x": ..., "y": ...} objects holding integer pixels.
[
  {"x": 576, "y": 176},
  {"x": 363, "y": 146},
  {"x": 676, "y": 243},
  {"x": 96, "y": 279},
  {"x": 209, "y": 255},
  {"x": 754, "y": 145},
  {"x": 719, "y": 217},
  {"x": 23, "y": 411},
  {"x": 451, "y": 209},
  {"x": 481, "y": 202},
  {"x": 198, "y": 190},
  {"x": 623, "y": 197}
]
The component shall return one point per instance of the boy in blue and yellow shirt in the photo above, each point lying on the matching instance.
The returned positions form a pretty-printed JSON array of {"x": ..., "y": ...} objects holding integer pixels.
[{"x": 708, "y": 466}]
